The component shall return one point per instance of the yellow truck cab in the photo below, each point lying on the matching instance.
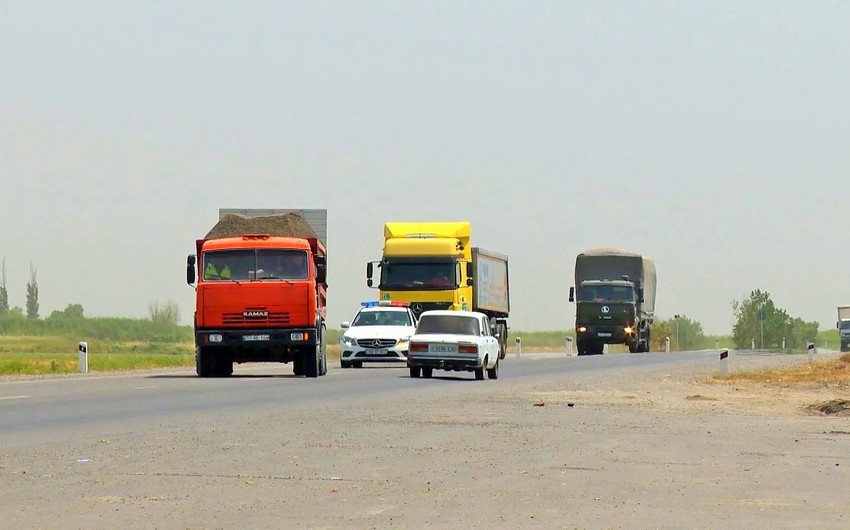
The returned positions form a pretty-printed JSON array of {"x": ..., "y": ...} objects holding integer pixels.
[{"x": 432, "y": 266}]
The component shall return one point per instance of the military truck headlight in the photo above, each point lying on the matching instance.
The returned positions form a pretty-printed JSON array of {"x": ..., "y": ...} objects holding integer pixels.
[
  {"x": 629, "y": 330},
  {"x": 582, "y": 329}
]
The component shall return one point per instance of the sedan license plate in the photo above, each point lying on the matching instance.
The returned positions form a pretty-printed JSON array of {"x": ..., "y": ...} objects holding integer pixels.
[
  {"x": 443, "y": 348},
  {"x": 255, "y": 338},
  {"x": 603, "y": 334},
  {"x": 375, "y": 351}
]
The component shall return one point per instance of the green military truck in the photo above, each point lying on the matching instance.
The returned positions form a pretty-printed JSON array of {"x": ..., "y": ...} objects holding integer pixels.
[{"x": 614, "y": 294}]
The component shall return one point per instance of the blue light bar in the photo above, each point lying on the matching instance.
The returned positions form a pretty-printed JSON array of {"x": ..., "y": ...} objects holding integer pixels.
[{"x": 370, "y": 304}]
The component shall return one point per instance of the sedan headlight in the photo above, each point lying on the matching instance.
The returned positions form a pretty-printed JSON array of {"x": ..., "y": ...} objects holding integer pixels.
[{"x": 348, "y": 341}]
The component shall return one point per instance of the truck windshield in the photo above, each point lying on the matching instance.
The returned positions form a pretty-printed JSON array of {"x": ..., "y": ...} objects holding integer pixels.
[
  {"x": 251, "y": 264},
  {"x": 606, "y": 293},
  {"x": 845, "y": 324},
  {"x": 448, "y": 324},
  {"x": 412, "y": 275}
]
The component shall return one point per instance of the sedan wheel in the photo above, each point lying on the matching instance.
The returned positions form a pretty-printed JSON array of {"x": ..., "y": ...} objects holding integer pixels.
[{"x": 493, "y": 373}]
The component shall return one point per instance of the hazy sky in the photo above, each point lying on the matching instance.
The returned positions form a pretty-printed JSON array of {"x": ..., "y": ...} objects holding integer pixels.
[{"x": 712, "y": 136}]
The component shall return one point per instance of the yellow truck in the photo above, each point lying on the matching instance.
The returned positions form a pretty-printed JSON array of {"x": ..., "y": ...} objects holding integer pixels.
[{"x": 432, "y": 266}]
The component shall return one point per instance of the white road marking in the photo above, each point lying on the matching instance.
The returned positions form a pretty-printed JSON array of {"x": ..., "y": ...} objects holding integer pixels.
[
  {"x": 15, "y": 397},
  {"x": 144, "y": 387}
]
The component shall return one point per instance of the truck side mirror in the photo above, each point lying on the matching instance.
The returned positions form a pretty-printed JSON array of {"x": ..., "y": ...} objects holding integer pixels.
[
  {"x": 838, "y": 325},
  {"x": 321, "y": 273},
  {"x": 572, "y": 294},
  {"x": 190, "y": 269},
  {"x": 469, "y": 271},
  {"x": 640, "y": 294},
  {"x": 369, "y": 270}
]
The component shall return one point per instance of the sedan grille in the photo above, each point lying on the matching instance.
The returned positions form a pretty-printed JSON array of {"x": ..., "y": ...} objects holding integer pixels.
[{"x": 376, "y": 343}]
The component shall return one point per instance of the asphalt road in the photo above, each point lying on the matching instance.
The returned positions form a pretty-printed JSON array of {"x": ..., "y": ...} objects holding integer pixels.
[{"x": 66, "y": 408}]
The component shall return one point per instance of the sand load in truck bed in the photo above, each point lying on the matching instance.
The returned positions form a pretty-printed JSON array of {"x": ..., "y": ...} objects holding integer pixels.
[{"x": 289, "y": 225}]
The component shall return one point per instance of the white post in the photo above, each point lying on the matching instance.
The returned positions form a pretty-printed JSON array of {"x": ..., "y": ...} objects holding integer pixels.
[
  {"x": 724, "y": 362},
  {"x": 783, "y": 343},
  {"x": 667, "y": 344},
  {"x": 518, "y": 346},
  {"x": 569, "y": 345},
  {"x": 810, "y": 349},
  {"x": 753, "y": 344},
  {"x": 84, "y": 357},
  {"x": 716, "y": 344}
]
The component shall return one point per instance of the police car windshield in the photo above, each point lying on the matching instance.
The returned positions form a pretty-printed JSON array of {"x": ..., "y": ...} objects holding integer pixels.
[
  {"x": 382, "y": 318},
  {"x": 448, "y": 324}
]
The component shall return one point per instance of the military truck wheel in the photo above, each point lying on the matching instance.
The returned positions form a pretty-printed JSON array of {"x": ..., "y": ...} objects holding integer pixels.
[
  {"x": 493, "y": 373},
  {"x": 414, "y": 372},
  {"x": 598, "y": 348},
  {"x": 634, "y": 347},
  {"x": 203, "y": 362},
  {"x": 427, "y": 373}
]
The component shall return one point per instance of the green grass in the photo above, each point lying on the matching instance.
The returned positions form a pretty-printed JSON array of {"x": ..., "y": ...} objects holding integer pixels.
[{"x": 46, "y": 363}]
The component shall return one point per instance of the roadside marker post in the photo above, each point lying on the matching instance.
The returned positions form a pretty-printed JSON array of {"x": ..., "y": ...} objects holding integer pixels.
[
  {"x": 723, "y": 368},
  {"x": 569, "y": 345},
  {"x": 83, "y": 349},
  {"x": 753, "y": 344},
  {"x": 810, "y": 348},
  {"x": 518, "y": 346},
  {"x": 716, "y": 344},
  {"x": 666, "y": 344}
]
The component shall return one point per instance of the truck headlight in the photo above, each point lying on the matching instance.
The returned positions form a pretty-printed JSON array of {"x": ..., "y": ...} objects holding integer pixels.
[
  {"x": 629, "y": 330},
  {"x": 215, "y": 337},
  {"x": 582, "y": 329}
]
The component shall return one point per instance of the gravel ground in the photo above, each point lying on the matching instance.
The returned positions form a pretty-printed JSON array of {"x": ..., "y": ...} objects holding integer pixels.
[{"x": 644, "y": 448}]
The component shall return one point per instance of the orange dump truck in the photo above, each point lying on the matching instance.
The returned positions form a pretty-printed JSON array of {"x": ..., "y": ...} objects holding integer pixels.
[{"x": 260, "y": 291}]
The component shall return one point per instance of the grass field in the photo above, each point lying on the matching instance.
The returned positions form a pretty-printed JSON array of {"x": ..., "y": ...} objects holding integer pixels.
[{"x": 833, "y": 373}]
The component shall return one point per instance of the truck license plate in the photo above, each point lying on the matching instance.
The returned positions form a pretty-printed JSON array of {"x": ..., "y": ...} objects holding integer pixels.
[
  {"x": 440, "y": 348},
  {"x": 375, "y": 351},
  {"x": 255, "y": 338},
  {"x": 603, "y": 334}
]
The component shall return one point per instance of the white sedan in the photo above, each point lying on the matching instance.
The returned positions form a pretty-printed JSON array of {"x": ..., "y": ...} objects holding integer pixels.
[{"x": 460, "y": 341}]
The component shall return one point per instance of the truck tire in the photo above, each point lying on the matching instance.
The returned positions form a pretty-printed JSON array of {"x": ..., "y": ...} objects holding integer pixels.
[
  {"x": 312, "y": 362},
  {"x": 324, "y": 349},
  {"x": 598, "y": 348},
  {"x": 297, "y": 366},
  {"x": 224, "y": 367},
  {"x": 503, "y": 340},
  {"x": 204, "y": 366}
]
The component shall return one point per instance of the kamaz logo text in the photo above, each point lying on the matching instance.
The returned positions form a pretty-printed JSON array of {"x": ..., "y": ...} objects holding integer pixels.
[{"x": 255, "y": 314}]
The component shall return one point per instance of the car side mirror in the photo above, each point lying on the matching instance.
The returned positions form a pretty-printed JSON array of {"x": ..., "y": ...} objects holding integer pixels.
[
  {"x": 572, "y": 294},
  {"x": 345, "y": 325}
]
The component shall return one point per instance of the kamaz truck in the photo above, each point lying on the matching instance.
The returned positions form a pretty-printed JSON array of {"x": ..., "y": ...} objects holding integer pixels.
[
  {"x": 843, "y": 326},
  {"x": 260, "y": 291},
  {"x": 432, "y": 265},
  {"x": 614, "y": 294}
]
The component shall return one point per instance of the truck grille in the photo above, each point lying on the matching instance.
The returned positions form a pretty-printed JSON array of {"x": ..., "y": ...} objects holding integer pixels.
[
  {"x": 376, "y": 343},
  {"x": 239, "y": 318}
]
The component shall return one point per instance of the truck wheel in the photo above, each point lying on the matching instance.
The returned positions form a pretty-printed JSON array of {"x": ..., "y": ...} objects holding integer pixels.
[
  {"x": 297, "y": 366},
  {"x": 414, "y": 372},
  {"x": 493, "y": 373},
  {"x": 224, "y": 367},
  {"x": 598, "y": 348},
  {"x": 427, "y": 373},
  {"x": 312, "y": 362},
  {"x": 503, "y": 340},
  {"x": 634, "y": 347},
  {"x": 324, "y": 353},
  {"x": 203, "y": 362}
]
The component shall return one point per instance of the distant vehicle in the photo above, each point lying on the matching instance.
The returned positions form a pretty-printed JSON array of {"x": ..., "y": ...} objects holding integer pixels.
[
  {"x": 615, "y": 300},
  {"x": 433, "y": 266},
  {"x": 843, "y": 326},
  {"x": 460, "y": 341},
  {"x": 378, "y": 333}
]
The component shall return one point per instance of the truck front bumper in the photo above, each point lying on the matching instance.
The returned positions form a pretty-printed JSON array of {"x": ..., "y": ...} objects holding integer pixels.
[
  {"x": 605, "y": 335},
  {"x": 256, "y": 338}
]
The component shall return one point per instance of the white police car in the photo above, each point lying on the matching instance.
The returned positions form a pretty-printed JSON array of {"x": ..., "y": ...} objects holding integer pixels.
[{"x": 378, "y": 334}]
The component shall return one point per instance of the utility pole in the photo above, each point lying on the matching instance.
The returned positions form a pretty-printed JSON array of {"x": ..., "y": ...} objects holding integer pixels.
[{"x": 678, "y": 345}]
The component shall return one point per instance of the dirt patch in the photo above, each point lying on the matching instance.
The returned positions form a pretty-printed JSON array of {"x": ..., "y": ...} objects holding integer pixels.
[
  {"x": 699, "y": 397},
  {"x": 835, "y": 407},
  {"x": 288, "y": 225}
]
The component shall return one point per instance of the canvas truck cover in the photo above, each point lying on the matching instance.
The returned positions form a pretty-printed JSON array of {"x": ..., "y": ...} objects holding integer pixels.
[
  {"x": 613, "y": 264},
  {"x": 490, "y": 288},
  {"x": 844, "y": 312},
  {"x": 302, "y": 223}
]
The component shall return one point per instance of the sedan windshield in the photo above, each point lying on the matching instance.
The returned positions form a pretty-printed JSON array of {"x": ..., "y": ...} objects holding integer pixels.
[
  {"x": 448, "y": 324},
  {"x": 382, "y": 318}
]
